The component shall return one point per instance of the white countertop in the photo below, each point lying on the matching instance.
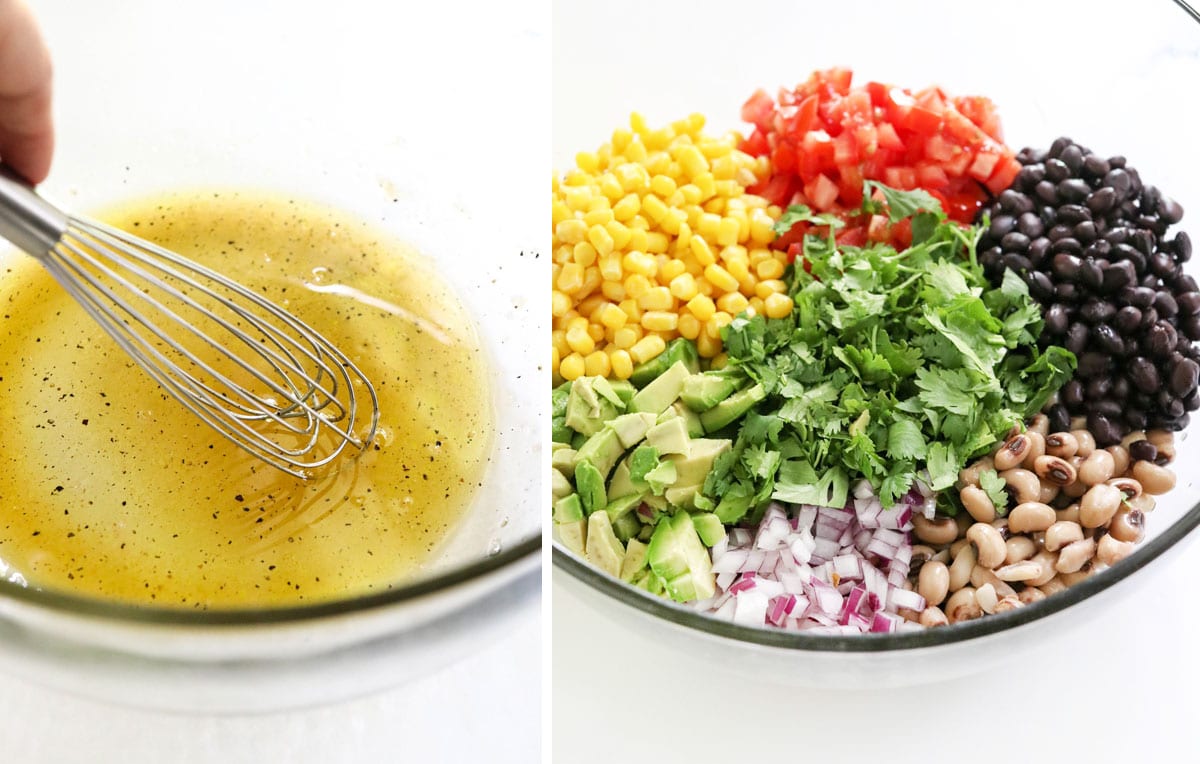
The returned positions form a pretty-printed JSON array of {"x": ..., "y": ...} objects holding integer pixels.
[{"x": 484, "y": 708}]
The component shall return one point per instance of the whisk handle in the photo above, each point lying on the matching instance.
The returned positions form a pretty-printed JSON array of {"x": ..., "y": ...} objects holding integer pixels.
[{"x": 26, "y": 219}]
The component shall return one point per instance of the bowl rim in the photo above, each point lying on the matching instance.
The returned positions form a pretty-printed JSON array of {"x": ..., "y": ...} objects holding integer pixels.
[
  {"x": 77, "y": 605},
  {"x": 690, "y": 618}
]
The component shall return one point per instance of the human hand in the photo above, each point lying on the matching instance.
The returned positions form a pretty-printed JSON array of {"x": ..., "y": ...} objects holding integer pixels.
[{"x": 26, "y": 128}]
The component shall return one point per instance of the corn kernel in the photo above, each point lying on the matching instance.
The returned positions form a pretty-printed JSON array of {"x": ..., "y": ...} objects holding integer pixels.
[
  {"x": 671, "y": 222},
  {"x": 720, "y": 278},
  {"x": 656, "y": 209},
  {"x": 558, "y": 339},
  {"x": 598, "y": 216},
  {"x": 761, "y": 232},
  {"x": 587, "y": 162},
  {"x": 727, "y": 234},
  {"x": 601, "y": 239},
  {"x": 708, "y": 187},
  {"x": 691, "y": 193},
  {"x": 637, "y": 123},
  {"x": 777, "y": 305},
  {"x": 572, "y": 320},
  {"x": 683, "y": 286},
  {"x": 619, "y": 233},
  {"x": 622, "y": 364},
  {"x": 584, "y": 253},
  {"x": 689, "y": 326},
  {"x": 636, "y": 285},
  {"x": 765, "y": 289},
  {"x": 706, "y": 346},
  {"x": 671, "y": 269},
  {"x": 647, "y": 348},
  {"x": 640, "y": 264},
  {"x": 632, "y": 177},
  {"x": 610, "y": 187},
  {"x": 591, "y": 307},
  {"x": 691, "y": 161},
  {"x": 629, "y": 206},
  {"x": 613, "y": 290},
  {"x": 591, "y": 282},
  {"x": 572, "y": 367},
  {"x": 559, "y": 303},
  {"x": 555, "y": 357},
  {"x": 621, "y": 139},
  {"x": 732, "y": 302},
  {"x": 570, "y": 278},
  {"x": 610, "y": 267},
  {"x": 660, "y": 320},
  {"x": 570, "y": 231},
  {"x": 636, "y": 152},
  {"x": 612, "y": 316},
  {"x": 663, "y": 185},
  {"x": 739, "y": 270},
  {"x": 627, "y": 336},
  {"x": 702, "y": 252},
  {"x": 596, "y": 332},
  {"x": 769, "y": 269},
  {"x": 735, "y": 254},
  {"x": 580, "y": 341},
  {"x": 712, "y": 327},
  {"x": 719, "y": 361},
  {"x": 757, "y": 305},
  {"x": 596, "y": 364},
  {"x": 639, "y": 239},
  {"x": 702, "y": 307},
  {"x": 656, "y": 298},
  {"x": 708, "y": 225},
  {"x": 657, "y": 242}
]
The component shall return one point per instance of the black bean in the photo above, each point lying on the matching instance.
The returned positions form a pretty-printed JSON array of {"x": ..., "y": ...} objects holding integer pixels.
[
  {"x": 1118, "y": 180},
  {"x": 1059, "y": 231},
  {"x": 1046, "y": 191},
  {"x": 1107, "y": 339},
  {"x": 1098, "y": 387},
  {"x": 1029, "y": 176},
  {"x": 1143, "y": 451},
  {"x": 1117, "y": 276},
  {"x": 1072, "y": 157},
  {"x": 1038, "y": 250},
  {"x": 1143, "y": 374},
  {"x": 1014, "y": 202},
  {"x": 1149, "y": 317},
  {"x": 1095, "y": 167},
  {"x": 1071, "y": 214},
  {"x": 1030, "y": 225},
  {"x": 1001, "y": 224},
  {"x": 1144, "y": 241},
  {"x": 1189, "y": 303},
  {"x": 1150, "y": 281},
  {"x": 1056, "y": 170},
  {"x": 1185, "y": 283},
  {"x": 1165, "y": 304},
  {"x": 1060, "y": 418},
  {"x": 990, "y": 257},
  {"x": 1077, "y": 337},
  {"x": 1099, "y": 249},
  {"x": 1085, "y": 232},
  {"x": 1116, "y": 161},
  {"x": 1101, "y": 200},
  {"x": 1015, "y": 262},
  {"x": 1160, "y": 340},
  {"x": 1182, "y": 246},
  {"x": 1073, "y": 190},
  {"x": 1060, "y": 143},
  {"x": 1169, "y": 404},
  {"x": 1117, "y": 235},
  {"x": 1184, "y": 376},
  {"x": 1066, "y": 244},
  {"x": 1102, "y": 428},
  {"x": 1140, "y": 297},
  {"x": 1047, "y": 213},
  {"x": 1057, "y": 319},
  {"x": 1090, "y": 274},
  {"x": 1134, "y": 418},
  {"x": 1142, "y": 400},
  {"x": 1072, "y": 394},
  {"x": 1120, "y": 388},
  {"x": 1097, "y": 311},
  {"x": 1066, "y": 267},
  {"x": 1041, "y": 288},
  {"x": 1015, "y": 241},
  {"x": 1092, "y": 364}
]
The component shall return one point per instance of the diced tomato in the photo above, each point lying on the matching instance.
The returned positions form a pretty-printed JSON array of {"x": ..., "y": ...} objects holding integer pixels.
[
  {"x": 938, "y": 148},
  {"x": 837, "y": 79},
  {"x": 777, "y": 190},
  {"x": 900, "y": 177},
  {"x": 821, "y": 191},
  {"x": 888, "y": 139},
  {"x": 852, "y": 237},
  {"x": 931, "y": 176},
  {"x": 759, "y": 109},
  {"x": 844, "y": 149},
  {"x": 851, "y": 185},
  {"x": 961, "y": 129},
  {"x": 783, "y": 158},
  {"x": 756, "y": 144},
  {"x": 1004, "y": 174},
  {"x": 982, "y": 112},
  {"x": 867, "y": 139},
  {"x": 957, "y": 165},
  {"x": 804, "y": 120},
  {"x": 878, "y": 228},
  {"x": 983, "y": 165},
  {"x": 920, "y": 119}
]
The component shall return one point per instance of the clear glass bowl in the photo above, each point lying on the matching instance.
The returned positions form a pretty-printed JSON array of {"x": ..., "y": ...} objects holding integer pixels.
[
  {"x": 1127, "y": 104},
  {"x": 342, "y": 109}
]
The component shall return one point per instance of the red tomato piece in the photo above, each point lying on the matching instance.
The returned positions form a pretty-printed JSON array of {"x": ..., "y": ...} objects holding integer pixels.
[
  {"x": 821, "y": 191},
  {"x": 981, "y": 168},
  {"x": 759, "y": 109},
  {"x": 1004, "y": 175}
]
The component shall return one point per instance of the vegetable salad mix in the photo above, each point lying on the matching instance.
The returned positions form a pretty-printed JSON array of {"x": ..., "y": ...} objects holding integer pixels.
[{"x": 854, "y": 372}]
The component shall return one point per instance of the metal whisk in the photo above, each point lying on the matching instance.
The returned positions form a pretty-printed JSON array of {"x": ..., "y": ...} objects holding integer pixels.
[{"x": 255, "y": 373}]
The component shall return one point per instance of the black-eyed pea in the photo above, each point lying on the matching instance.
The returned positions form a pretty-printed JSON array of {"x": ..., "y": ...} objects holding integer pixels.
[
  {"x": 1078, "y": 422},
  {"x": 1075, "y": 555},
  {"x": 981, "y": 575},
  {"x": 933, "y": 616},
  {"x": 1039, "y": 424},
  {"x": 1132, "y": 437},
  {"x": 1030, "y": 595},
  {"x": 962, "y": 605},
  {"x": 1068, "y": 514},
  {"x": 1012, "y": 452},
  {"x": 989, "y": 545},
  {"x": 987, "y": 599},
  {"x": 957, "y": 546},
  {"x": 908, "y": 615},
  {"x": 943, "y": 556},
  {"x": 1030, "y": 516},
  {"x": 1128, "y": 525},
  {"x": 1006, "y": 604},
  {"x": 1099, "y": 505},
  {"x": 1037, "y": 447},
  {"x": 1001, "y": 526},
  {"x": 1097, "y": 468},
  {"x": 1160, "y": 437},
  {"x": 960, "y": 569},
  {"x": 1053, "y": 586},
  {"x": 1060, "y": 534},
  {"x": 1022, "y": 484},
  {"x": 1061, "y": 444},
  {"x": 1019, "y": 571},
  {"x": 969, "y": 475},
  {"x": 978, "y": 504},
  {"x": 1087, "y": 443},
  {"x": 1110, "y": 550},
  {"x": 1120, "y": 456},
  {"x": 1155, "y": 480},
  {"x": 1074, "y": 490},
  {"x": 1144, "y": 503},
  {"x": 938, "y": 531},
  {"x": 963, "y": 521},
  {"x": 1045, "y": 561},
  {"x": 1048, "y": 493},
  {"x": 1019, "y": 549},
  {"x": 1070, "y": 579},
  {"x": 1055, "y": 470},
  {"x": 1128, "y": 487},
  {"x": 933, "y": 583},
  {"x": 1166, "y": 454}
]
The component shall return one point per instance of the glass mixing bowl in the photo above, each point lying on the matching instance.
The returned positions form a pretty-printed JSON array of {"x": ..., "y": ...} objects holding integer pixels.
[
  {"x": 1057, "y": 85},
  {"x": 363, "y": 109}
]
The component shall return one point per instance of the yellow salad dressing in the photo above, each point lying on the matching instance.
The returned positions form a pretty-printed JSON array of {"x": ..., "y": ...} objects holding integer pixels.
[{"x": 110, "y": 488}]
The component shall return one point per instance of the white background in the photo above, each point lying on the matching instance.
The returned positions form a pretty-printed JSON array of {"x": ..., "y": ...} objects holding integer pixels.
[
  {"x": 1119, "y": 76},
  {"x": 452, "y": 71}
]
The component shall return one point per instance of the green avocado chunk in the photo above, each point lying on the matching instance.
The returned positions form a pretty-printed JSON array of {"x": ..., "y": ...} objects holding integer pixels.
[
  {"x": 703, "y": 391},
  {"x": 709, "y": 527},
  {"x": 559, "y": 485},
  {"x": 589, "y": 483},
  {"x": 678, "y": 556},
  {"x": 568, "y": 509},
  {"x": 669, "y": 436},
  {"x": 603, "y": 549},
  {"x": 677, "y": 350},
  {"x": 572, "y": 535},
  {"x": 603, "y": 450},
  {"x": 635, "y": 560},
  {"x": 657, "y": 396},
  {"x": 728, "y": 410},
  {"x": 591, "y": 403},
  {"x": 632, "y": 428}
]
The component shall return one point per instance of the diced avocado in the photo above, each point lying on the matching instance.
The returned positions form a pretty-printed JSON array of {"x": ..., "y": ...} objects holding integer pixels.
[
  {"x": 678, "y": 556},
  {"x": 562, "y": 458},
  {"x": 635, "y": 560},
  {"x": 624, "y": 390},
  {"x": 559, "y": 432},
  {"x": 709, "y": 527},
  {"x": 568, "y": 509},
  {"x": 732, "y": 508},
  {"x": 589, "y": 483},
  {"x": 728, "y": 410},
  {"x": 622, "y": 505},
  {"x": 669, "y": 437},
  {"x": 659, "y": 503},
  {"x": 627, "y": 527},
  {"x": 691, "y": 419},
  {"x": 632, "y": 428},
  {"x": 577, "y": 440},
  {"x": 652, "y": 583},
  {"x": 682, "y": 496},
  {"x": 692, "y": 468},
  {"x": 603, "y": 450},
  {"x": 588, "y": 410},
  {"x": 703, "y": 391},
  {"x": 604, "y": 389},
  {"x": 621, "y": 484},
  {"x": 646, "y": 533},
  {"x": 572, "y": 535},
  {"x": 657, "y": 396},
  {"x": 662, "y": 477},
  {"x": 603, "y": 549},
  {"x": 677, "y": 350},
  {"x": 559, "y": 485}
]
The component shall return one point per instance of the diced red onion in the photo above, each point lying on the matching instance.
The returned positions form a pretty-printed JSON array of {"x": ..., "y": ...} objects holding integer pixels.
[
  {"x": 751, "y": 609},
  {"x": 900, "y": 598}
]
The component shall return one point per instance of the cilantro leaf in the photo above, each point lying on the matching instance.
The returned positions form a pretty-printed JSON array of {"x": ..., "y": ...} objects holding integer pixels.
[
  {"x": 902, "y": 204},
  {"x": 993, "y": 485},
  {"x": 800, "y": 213}
]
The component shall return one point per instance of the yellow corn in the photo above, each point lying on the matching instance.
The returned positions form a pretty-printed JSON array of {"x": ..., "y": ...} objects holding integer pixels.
[
  {"x": 683, "y": 286},
  {"x": 660, "y": 320},
  {"x": 622, "y": 364},
  {"x": 597, "y": 364},
  {"x": 572, "y": 367},
  {"x": 689, "y": 326},
  {"x": 656, "y": 298},
  {"x": 646, "y": 348},
  {"x": 580, "y": 341},
  {"x": 627, "y": 336},
  {"x": 612, "y": 316},
  {"x": 765, "y": 289},
  {"x": 733, "y": 302},
  {"x": 702, "y": 307},
  {"x": 559, "y": 303},
  {"x": 777, "y": 305},
  {"x": 720, "y": 278}
]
